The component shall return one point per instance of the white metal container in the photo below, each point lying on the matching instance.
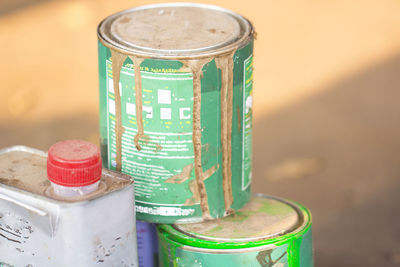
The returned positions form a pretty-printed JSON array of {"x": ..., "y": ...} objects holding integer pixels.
[{"x": 39, "y": 229}]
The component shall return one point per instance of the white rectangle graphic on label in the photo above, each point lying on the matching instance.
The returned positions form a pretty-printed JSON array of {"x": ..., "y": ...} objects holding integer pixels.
[
  {"x": 164, "y": 96},
  {"x": 111, "y": 106},
  {"x": 148, "y": 111},
  {"x": 111, "y": 87},
  {"x": 165, "y": 113},
  {"x": 131, "y": 109}
]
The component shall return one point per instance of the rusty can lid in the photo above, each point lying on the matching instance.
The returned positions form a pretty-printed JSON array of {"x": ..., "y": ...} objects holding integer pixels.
[
  {"x": 174, "y": 30},
  {"x": 262, "y": 218}
]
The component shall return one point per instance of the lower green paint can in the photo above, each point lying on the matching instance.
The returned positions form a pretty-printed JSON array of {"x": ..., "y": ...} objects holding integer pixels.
[{"x": 267, "y": 232}]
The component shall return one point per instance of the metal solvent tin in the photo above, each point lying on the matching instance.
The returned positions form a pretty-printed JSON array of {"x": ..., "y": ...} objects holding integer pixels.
[
  {"x": 147, "y": 244},
  {"x": 176, "y": 108},
  {"x": 267, "y": 232},
  {"x": 37, "y": 228}
]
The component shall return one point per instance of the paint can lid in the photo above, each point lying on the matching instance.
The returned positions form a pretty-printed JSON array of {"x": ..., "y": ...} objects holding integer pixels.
[
  {"x": 74, "y": 163},
  {"x": 261, "y": 219},
  {"x": 174, "y": 29}
]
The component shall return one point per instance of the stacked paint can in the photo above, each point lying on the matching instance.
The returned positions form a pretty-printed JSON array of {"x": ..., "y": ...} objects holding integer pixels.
[
  {"x": 176, "y": 89},
  {"x": 175, "y": 108}
]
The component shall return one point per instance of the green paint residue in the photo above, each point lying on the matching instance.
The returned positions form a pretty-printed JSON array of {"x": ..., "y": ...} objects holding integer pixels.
[
  {"x": 269, "y": 209},
  {"x": 216, "y": 229},
  {"x": 294, "y": 252},
  {"x": 237, "y": 217}
]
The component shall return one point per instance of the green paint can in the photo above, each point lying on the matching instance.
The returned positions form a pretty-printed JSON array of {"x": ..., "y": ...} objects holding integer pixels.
[
  {"x": 267, "y": 232},
  {"x": 176, "y": 108}
]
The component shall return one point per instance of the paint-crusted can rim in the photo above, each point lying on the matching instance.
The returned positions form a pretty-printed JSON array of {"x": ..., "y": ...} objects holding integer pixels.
[
  {"x": 193, "y": 243},
  {"x": 110, "y": 40}
]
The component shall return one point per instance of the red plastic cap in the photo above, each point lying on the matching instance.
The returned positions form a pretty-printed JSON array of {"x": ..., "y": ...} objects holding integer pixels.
[{"x": 74, "y": 163}]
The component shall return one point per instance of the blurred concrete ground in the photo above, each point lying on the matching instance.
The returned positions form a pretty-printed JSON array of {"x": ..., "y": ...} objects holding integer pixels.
[
  {"x": 327, "y": 118},
  {"x": 337, "y": 153}
]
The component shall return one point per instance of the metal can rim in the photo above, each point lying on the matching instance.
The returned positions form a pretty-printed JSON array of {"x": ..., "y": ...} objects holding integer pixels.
[
  {"x": 192, "y": 243},
  {"x": 176, "y": 54}
]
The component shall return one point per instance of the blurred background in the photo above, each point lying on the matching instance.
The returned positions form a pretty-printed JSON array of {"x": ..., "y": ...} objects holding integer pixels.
[{"x": 326, "y": 114}]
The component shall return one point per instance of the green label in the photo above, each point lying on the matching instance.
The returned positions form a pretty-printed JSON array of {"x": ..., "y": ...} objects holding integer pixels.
[
  {"x": 247, "y": 121},
  {"x": 167, "y": 145},
  {"x": 265, "y": 258},
  {"x": 163, "y": 168},
  {"x": 306, "y": 250}
]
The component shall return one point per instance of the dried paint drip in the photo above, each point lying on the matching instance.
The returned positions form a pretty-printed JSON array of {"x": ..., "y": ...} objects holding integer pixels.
[
  {"x": 139, "y": 102},
  {"x": 195, "y": 66},
  {"x": 196, "y": 69},
  {"x": 117, "y": 62},
  {"x": 195, "y": 199},
  {"x": 182, "y": 177},
  {"x": 228, "y": 192},
  {"x": 225, "y": 64}
]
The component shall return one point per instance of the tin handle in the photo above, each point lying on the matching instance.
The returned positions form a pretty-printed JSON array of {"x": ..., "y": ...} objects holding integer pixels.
[{"x": 23, "y": 205}]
